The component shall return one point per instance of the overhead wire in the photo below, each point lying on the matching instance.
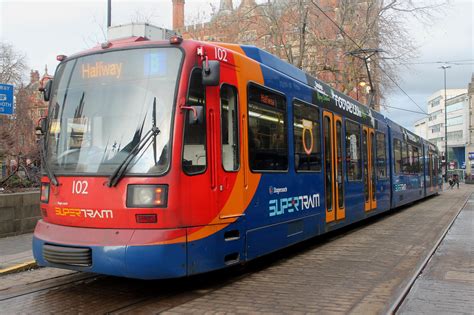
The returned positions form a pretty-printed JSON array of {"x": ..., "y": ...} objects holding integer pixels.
[
  {"x": 407, "y": 110},
  {"x": 455, "y": 62},
  {"x": 352, "y": 40}
]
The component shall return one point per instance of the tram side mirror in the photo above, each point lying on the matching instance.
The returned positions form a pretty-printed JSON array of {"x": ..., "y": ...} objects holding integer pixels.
[
  {"x": 47, "y": 90},
  {"x": 40, "y": 130},
  {"x": 211, "y": 73},
  {"x": 196, "y": 115}
]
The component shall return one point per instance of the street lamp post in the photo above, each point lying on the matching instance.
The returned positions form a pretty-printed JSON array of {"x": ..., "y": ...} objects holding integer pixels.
[
  {"x": 445, "y": 127},
  {"x": 109, "y": 13},
  {"x": 365, "y": 55}
]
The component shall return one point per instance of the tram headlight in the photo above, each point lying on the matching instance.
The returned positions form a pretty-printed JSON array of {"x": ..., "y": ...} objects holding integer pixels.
[
  {"x": 44, "y": 193},
  {"x": 147, "y": 196}
]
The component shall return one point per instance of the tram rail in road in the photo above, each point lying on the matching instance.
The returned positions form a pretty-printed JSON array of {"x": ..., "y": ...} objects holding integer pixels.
[{"x": 367, "y": 268}]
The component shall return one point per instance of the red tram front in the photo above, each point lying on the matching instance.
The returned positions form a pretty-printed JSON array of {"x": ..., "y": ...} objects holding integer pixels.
[{"x": 120, "y": 116}]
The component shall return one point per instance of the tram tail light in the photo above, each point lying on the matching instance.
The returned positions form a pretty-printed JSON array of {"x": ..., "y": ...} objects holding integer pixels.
[
  {"x": 147, "y": 196},
  {"x": 146, "y": 218},
  {"x": 44, "y": 197}
]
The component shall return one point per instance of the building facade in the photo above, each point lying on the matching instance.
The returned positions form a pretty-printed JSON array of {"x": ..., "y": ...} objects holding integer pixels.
[
  {"x": 433, "y": 128},
  {"x": 298, "y": 33},
  {"x": 470, "y": 145},
  {"x": 421, "y": 127}
]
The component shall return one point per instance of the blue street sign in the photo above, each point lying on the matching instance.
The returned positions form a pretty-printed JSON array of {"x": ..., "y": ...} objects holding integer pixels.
[{"x": 6, "y": 99}]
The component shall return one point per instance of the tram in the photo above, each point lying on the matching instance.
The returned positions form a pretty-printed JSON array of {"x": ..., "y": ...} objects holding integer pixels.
[{"x": 166, "y": 159}]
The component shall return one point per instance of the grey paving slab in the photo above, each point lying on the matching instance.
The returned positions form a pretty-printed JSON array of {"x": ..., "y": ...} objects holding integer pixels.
[
  {"x": 446, "y": 285},
  {"x": 15, "y": 250}
]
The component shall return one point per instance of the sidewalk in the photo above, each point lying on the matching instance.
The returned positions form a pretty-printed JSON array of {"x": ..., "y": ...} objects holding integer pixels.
[
  {"x": 15, "y": 253},
  {"x": 446, "y": 285}
]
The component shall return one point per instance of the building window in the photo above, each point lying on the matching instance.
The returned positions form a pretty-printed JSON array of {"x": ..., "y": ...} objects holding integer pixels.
[
  {"x": 435, "y": 102},
  {"x": 353, "y": 153},
  {"x": 436, "y": 128},
  {"x": 453, "y": 121},
  {"x": 455, "y": 135},
  {"x": 268, "y": 143},
  {"x": 453, "y": 107},
  {"x": 307, "y": 138}
]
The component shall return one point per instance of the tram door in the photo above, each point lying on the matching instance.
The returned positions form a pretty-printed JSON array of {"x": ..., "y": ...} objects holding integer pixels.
[
  {"x": 368, "y": 152},
  {"x": 333, "y": 163},
  {"x": 224, "y": 146}
]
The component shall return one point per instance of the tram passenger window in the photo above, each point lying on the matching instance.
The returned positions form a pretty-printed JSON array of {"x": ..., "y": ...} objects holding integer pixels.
[
  {"x": 381, "y": 156},
  {"x": 307, "y": 137},
  {"x": 229, "y": 128},
  {"x": 416, "y": 160},
  {"x": 397, "y": 153},
  {"x": 405, "y": 164},
  {"x": 268, "y": 143},
  {"x": 353, "y": 153},
  {"x": 410, "y": 162},
  {"x": 194, "y": 142},
  {"x": 421, "y": 160}
]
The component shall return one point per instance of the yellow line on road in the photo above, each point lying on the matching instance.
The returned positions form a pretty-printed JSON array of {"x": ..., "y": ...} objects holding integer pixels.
[{"x": 19, "y": 267}]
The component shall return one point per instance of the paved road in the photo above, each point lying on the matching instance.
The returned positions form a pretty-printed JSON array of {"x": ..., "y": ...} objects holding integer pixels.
[{"x": 362, "y": 270}]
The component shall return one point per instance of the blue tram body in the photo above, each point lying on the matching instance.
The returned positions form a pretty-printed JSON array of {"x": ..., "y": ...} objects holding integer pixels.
[{"x": 320, "y": 159}]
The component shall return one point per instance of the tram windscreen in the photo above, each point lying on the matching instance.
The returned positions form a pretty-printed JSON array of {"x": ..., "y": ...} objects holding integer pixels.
[{"x": 103, "y": 104}]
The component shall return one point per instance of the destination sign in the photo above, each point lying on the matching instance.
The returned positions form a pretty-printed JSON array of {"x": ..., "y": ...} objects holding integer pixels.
[
  {"x": 268, "y": 100},
  {"x": 101, "y": 69}
]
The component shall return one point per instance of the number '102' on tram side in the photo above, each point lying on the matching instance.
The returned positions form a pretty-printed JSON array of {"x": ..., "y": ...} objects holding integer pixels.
[{"x": 171, "y": 158}]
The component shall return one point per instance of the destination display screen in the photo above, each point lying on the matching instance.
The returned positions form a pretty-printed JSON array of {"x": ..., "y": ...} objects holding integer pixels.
[
  {"x": 116, "y": 67},
  {"x": 266, "y": 98}
]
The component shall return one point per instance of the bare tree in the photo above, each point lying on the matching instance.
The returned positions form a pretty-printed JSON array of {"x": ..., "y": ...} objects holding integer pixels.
[
  {"x": 379, "y": 25},
  {"x": 12, "y": 65},
  {"x": 17, "y": 138},
  {"x": 12, "y": 69},
  {"x": 317, "y": 35},
  {"x": 390, "y": 20}
]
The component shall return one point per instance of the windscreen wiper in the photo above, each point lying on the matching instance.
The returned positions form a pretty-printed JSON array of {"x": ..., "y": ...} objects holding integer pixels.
[
  {"x": 44, "y": 162},
  {"x": 120, "y": 170},
  {"x": 143, "y": 142}
]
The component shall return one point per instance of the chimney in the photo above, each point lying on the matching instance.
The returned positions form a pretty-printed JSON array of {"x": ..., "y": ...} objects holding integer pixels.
[
  {"x": 225, "y": 6},
  {"x": 34, "y": 76},
  {"x": 178, "y": 14}
]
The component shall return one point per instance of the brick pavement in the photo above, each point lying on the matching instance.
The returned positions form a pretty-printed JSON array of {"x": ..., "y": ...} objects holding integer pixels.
[
  {"x": 447, "y": 283},
  {"x": 30, "y": 276},
  {"x": 362, "y": 272}
]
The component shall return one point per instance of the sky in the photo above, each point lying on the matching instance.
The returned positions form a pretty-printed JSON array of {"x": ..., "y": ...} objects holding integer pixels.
[{"x": 44, "y": 29}]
